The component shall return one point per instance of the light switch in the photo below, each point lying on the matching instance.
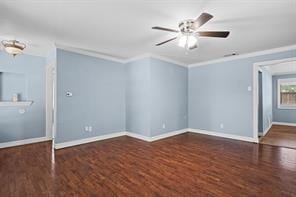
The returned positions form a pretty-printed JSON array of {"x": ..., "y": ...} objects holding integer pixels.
[{"x": 249, "y": 88}]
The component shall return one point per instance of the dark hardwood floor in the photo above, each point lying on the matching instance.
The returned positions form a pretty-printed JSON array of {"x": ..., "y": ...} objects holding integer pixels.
[
  {"x": 280, "y": 135},
  {"x": 185, "y": 165}
]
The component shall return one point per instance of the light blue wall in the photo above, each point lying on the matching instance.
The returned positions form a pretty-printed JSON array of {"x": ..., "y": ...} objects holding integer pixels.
[
  {"x": 156, "y": 95},
  {"x": 282, "y": 115},
  {"x": 24, "y": 74},
  {"x": 12, "y": 83},
  {"x": 113, "y": 97},
  {"x": 138, "y": 97},
  {"x": 218, "y": 94},
  {"x": 169, "y": 97},
  {"x": 266, "y": 99},
  {"x": 98, "y": 100},
  {"x": 150, "y": 93}
]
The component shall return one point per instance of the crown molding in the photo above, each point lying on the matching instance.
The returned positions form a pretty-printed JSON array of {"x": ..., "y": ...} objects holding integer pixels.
[
  {"x": 154, "y": 56},
  {"x": 123, "y": 61},
  {"x": 89, "y": 53},
  {"x": 169, "y": 60},
  {"x": 242, "y": 56},
  {"x": 150, "y": 55},
  {"x": 165, "y": 59},
  {"x": 119, "y": 60},
  {"x": 138, "y": 57}
]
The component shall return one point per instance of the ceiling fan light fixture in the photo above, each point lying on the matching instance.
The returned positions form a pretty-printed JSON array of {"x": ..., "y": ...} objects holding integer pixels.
[
  {"x": 13, "y": 47},
  {"x": 188, "y": 41},
  {"x": 189, "y": 33}
]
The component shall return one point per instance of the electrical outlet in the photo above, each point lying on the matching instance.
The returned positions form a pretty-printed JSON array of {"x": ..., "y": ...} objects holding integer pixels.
[
  {"x": 163, "y": 125},
  {"x": 90, "y": 128},
  {"x": 221, "y": 125},
  {"x": 86, "y": 128}
]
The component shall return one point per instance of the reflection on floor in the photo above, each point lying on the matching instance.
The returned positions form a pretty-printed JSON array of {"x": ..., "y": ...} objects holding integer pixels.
[{"x": 280, "y": 135}]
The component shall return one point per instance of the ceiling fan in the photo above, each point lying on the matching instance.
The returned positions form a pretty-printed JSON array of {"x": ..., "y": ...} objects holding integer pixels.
[{"x": 188, "y": 32}]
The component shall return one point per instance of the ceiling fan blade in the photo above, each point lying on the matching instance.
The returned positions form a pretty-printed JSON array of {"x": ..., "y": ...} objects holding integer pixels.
[
  {"x": 201, "y": 20},
  {"x": 218, "y": 34},
  {"x": 165, "y": 29},
  {"x": 174, "y": 38}
]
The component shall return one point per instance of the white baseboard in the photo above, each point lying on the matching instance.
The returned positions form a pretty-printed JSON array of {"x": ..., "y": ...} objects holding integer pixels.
[
  {"x": 284, "y": 123},
  {"x": 170, "y": 134},
  {"x": 118, "y": 134},
  {"x": 138, "y": 136},
  {"x": 88, "y": 140},
  {"x": 157, "y": 137},
  {"x": 224, "y": 135},
  {"x": 127, "y": 133},
  {"x": 23, "y": 142}
]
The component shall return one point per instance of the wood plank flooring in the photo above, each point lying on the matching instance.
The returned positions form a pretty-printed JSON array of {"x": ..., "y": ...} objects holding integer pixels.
[
  {"x": 280, "y": 135},
  {"x": 185, "y": 165}
]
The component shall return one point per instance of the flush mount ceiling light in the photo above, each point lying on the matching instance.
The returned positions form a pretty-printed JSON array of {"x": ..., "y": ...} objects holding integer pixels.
[
  {"x": 13, "y": 47},
  {"x": 189, "y": 34}
]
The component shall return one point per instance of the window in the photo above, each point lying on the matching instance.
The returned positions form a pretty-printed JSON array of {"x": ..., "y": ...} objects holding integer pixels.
[{"x": 287, "y": 93}]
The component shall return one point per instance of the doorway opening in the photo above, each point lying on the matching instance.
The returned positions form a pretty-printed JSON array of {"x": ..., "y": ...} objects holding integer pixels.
[{"x": 275, "y": 102}]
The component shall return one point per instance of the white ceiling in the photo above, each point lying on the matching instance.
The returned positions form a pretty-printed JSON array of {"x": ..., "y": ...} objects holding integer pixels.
[
  {"x": 122, "y": 28},
  {"x": 282, "y": 68}
]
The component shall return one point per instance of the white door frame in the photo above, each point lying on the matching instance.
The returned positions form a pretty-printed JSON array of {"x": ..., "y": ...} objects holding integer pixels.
[{"x": 256, "y": 67}]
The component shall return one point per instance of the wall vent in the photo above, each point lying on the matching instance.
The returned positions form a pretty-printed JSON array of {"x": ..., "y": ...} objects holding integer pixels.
[{"x": 231, "y": 54}]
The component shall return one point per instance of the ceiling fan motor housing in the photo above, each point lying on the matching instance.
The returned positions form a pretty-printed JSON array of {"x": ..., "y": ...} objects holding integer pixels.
[{"x": 186, "y": 26}]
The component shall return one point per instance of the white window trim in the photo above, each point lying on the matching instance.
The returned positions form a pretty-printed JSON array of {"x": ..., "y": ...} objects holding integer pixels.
[{"x": 279, "y": 81}]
